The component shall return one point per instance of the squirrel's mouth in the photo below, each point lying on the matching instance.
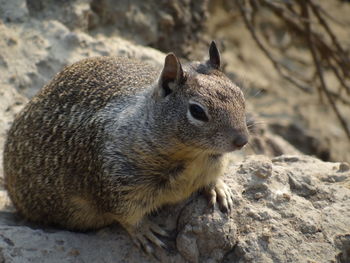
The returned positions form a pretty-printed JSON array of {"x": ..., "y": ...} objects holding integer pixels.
[
  {"x": 237, "y": 143},
  {"x": 234, "y": 149}
]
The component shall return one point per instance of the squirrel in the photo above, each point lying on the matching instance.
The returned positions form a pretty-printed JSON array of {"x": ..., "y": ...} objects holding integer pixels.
[{"x": 113, "y": 139}]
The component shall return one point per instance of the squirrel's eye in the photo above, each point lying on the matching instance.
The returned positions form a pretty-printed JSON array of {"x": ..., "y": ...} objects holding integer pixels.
[{"x": 198, "y": 113}]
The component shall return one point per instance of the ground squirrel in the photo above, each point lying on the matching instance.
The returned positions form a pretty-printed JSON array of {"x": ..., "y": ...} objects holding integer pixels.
[{"x": 111, "y": 139}]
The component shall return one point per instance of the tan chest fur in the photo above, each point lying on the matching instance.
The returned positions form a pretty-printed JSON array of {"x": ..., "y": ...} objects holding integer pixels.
[{"x": 197, "y": 174}]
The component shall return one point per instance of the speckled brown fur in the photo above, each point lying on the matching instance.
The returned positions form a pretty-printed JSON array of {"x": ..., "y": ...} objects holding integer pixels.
[{"x": 110, "y": 140}]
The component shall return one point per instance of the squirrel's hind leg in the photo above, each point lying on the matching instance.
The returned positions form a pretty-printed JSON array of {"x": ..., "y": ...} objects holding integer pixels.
[{"x": 143, "y": 234}]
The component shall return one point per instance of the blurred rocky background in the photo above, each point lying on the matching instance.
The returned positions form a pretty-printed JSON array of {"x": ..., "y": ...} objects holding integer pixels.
[{"x": 291, "y": 58}]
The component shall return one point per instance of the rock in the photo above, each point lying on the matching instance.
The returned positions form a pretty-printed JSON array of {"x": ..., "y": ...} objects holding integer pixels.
[
  {"x": 262, "y": 141},
  {"x": 291, "y": 221},
  {"x": 167, "y": 25},
  {"x": 14, "y": 10},
  {"x": 260, "y": 166},
  {"x": 204, "y": 235},
  {"x": 73, "y": 14},
  {"x": 305, "y": 141},
  {"x": 344, "y": 167},
  {"x": 45, "y": 48}
]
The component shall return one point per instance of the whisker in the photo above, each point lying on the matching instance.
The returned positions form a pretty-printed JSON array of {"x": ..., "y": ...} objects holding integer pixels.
[
  {"x": 258, "y": 122},
  {"x": 255, "y": 124},
  {"x": 257, "y": 93},
  {"x": 251, "y": 147}
]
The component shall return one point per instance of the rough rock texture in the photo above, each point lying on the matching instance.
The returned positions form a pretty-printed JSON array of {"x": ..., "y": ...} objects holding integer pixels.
[
  {"x": 304, "y": 140},
  {"x": 289, "y": 214},
  {"x": 34, "y": 51},
  {"x": 166, "y": 25},
  {"x": 262, "y": 141},
  {"x": 286, "y": 210}
]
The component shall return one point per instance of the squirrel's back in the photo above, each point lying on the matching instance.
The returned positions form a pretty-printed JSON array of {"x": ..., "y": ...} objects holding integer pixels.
[{"x": 93, "y": 82}]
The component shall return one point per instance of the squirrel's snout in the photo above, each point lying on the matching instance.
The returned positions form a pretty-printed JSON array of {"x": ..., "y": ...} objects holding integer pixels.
[{"x": 240, "y": 141}]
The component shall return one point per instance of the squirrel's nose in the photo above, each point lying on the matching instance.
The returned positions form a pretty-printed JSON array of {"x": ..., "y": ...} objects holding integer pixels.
[{"x": 240, "y": 141}]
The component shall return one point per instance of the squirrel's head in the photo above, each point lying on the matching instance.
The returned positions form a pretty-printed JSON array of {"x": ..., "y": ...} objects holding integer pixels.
[{"x": 200, "y": 106}]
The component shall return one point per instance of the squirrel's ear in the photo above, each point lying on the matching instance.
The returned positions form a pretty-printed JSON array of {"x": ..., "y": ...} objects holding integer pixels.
[
  {"x": 214, "y": 56},
  {"x": 172, "y": 73}
]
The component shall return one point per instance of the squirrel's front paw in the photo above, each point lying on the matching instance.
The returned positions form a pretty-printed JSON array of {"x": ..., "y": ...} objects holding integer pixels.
[
  {"x": 143, "y": 235},
  {"x": 219, "y": 193}
]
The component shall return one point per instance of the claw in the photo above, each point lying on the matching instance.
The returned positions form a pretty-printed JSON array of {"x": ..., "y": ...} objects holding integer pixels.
[
  {"x": 158, "y": 230},
  {"x": 143, "y": 235},
  {"x": 211, "y": 196},
  {"x": 220, "y": 193}
]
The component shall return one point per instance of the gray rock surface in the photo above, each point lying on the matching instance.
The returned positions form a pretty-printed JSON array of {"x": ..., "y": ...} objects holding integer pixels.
[
  {"x": 34, "y": 51},
  {"x": 165, "y": 25},
  {"x": 290, "y": 214}
]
